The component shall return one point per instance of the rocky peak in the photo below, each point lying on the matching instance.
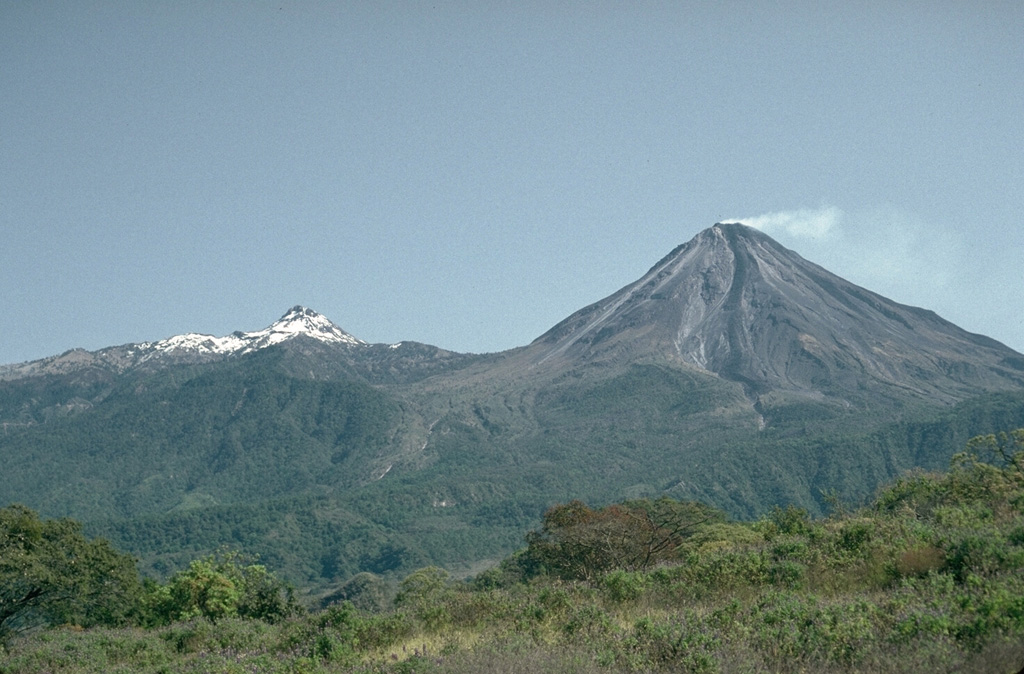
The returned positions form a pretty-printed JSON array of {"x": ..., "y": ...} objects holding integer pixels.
[
  {"x": 190, "y": 347},
  {"x": 734, "y": 302},
  {"x": 297, "y": 321}
]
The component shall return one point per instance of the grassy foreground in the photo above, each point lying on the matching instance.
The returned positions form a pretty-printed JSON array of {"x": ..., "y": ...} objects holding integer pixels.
[{"x": 928, "y": 578}]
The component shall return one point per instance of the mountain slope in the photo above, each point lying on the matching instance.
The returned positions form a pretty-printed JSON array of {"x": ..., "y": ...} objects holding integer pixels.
[
  {"x": 734, "y": 302},
  {"x": 733, "y": 372}
]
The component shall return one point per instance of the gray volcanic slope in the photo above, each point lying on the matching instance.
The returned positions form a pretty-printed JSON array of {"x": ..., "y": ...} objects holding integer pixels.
[{"x": 735, "y": 303}]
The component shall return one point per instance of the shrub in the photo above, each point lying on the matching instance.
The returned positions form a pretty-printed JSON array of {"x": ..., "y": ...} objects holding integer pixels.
[
  {"x": 920, "y": 560},
  {"x": 622, "y": 586},
  {"x": 217, "y": 587},
  {"x": 426, "y": 592}
]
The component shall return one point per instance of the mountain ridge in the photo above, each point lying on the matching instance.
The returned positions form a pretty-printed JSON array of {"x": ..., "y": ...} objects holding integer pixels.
[
  {"x": 299, "y": 321},
  {"x": 708, "y": 304},
  {"x": 733, "y": 372}
]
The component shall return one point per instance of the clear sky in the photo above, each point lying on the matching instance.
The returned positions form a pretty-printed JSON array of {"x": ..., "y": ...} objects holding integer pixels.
[{"x": 468, "y": 174}]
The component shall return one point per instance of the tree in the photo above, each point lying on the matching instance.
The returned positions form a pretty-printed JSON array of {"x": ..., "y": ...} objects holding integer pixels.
[
  {"x": 1005, "y": 449},
  {"x": 221, "y": 585},
  {"x": 426, "y": 593},
  {"x": 51, "y": 574},
  {"x": 579, "y": 542}
]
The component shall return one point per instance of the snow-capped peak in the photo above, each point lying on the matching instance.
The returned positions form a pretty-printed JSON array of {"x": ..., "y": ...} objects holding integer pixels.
[
  {"x": 297, "y": 321},
  {"x": 300, "y": 321}
]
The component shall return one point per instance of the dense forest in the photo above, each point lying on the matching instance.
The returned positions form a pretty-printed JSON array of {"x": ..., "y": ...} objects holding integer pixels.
[
  {"x": 926, "y": 577},
  {"x": 327, "y": 463}
]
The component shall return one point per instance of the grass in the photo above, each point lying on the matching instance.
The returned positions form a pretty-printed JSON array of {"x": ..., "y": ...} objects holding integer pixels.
[{"x": 927, "y": 578}]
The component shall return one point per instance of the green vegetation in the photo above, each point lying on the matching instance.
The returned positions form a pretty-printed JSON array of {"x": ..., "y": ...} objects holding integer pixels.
[
  {"x": 50, "y": 574},
  {"x": 282, "y": 455},
  {"x": 579, "y": 543},
  {"x": 192, "y": 437},
  {"x": 926, "y": 577},
  {"x": 217, "y": 587}
]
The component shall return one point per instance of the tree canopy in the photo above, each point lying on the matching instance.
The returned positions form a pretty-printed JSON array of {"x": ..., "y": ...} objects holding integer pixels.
[
  {"x": 219, "y": 586},
  {"x": 51, "y": 574},
  {"x": 580, "y": 542}
]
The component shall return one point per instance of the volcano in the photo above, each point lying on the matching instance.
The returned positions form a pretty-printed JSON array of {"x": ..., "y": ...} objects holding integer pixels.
[
  {"x": 734, "y": 372},
  {"x": 735, "y": 303}
]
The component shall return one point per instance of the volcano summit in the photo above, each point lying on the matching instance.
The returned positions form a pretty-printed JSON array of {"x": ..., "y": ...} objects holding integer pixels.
[{"x": 735, "y": 303}]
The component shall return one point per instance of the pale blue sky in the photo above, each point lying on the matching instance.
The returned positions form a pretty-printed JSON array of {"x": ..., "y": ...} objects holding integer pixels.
[{"x": 468, "y": 174}]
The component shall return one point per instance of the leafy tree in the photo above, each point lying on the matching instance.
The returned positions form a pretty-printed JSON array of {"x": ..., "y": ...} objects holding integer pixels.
[
  {"x": 422, "y": 585},
  {"x": 219, "y": 586},
  {"x": 1006, "y": 449},
  {"x": 51, "y": 574},
  {"x": 790, "y": 520},
  {"x": 426, "y": 593},
  {"x": 579, "y": 542},
  {"x": 970, "y": 483}
]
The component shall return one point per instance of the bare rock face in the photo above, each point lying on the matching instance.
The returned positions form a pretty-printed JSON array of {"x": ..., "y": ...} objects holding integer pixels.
[{"x": 736, "y": 303}]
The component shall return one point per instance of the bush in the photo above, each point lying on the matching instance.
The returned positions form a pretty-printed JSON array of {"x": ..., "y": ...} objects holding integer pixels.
[
  {"x": 919, "y": 561},
  {"x": 577, "y": 542},
  {"x": 426, "y": 592},
  {"x": 622, "y": 586},
  {"x": 217, "y": 587}
]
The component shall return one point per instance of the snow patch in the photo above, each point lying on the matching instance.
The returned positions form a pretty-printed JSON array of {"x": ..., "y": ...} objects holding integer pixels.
[{"x": 298, "y": 321}]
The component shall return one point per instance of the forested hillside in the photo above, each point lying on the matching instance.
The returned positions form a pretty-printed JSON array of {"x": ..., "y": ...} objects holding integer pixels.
[
  {"x": 733, "y": 373},
  {"x": 178, "y": 463},
  {"x": 926, "y": 577}
]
